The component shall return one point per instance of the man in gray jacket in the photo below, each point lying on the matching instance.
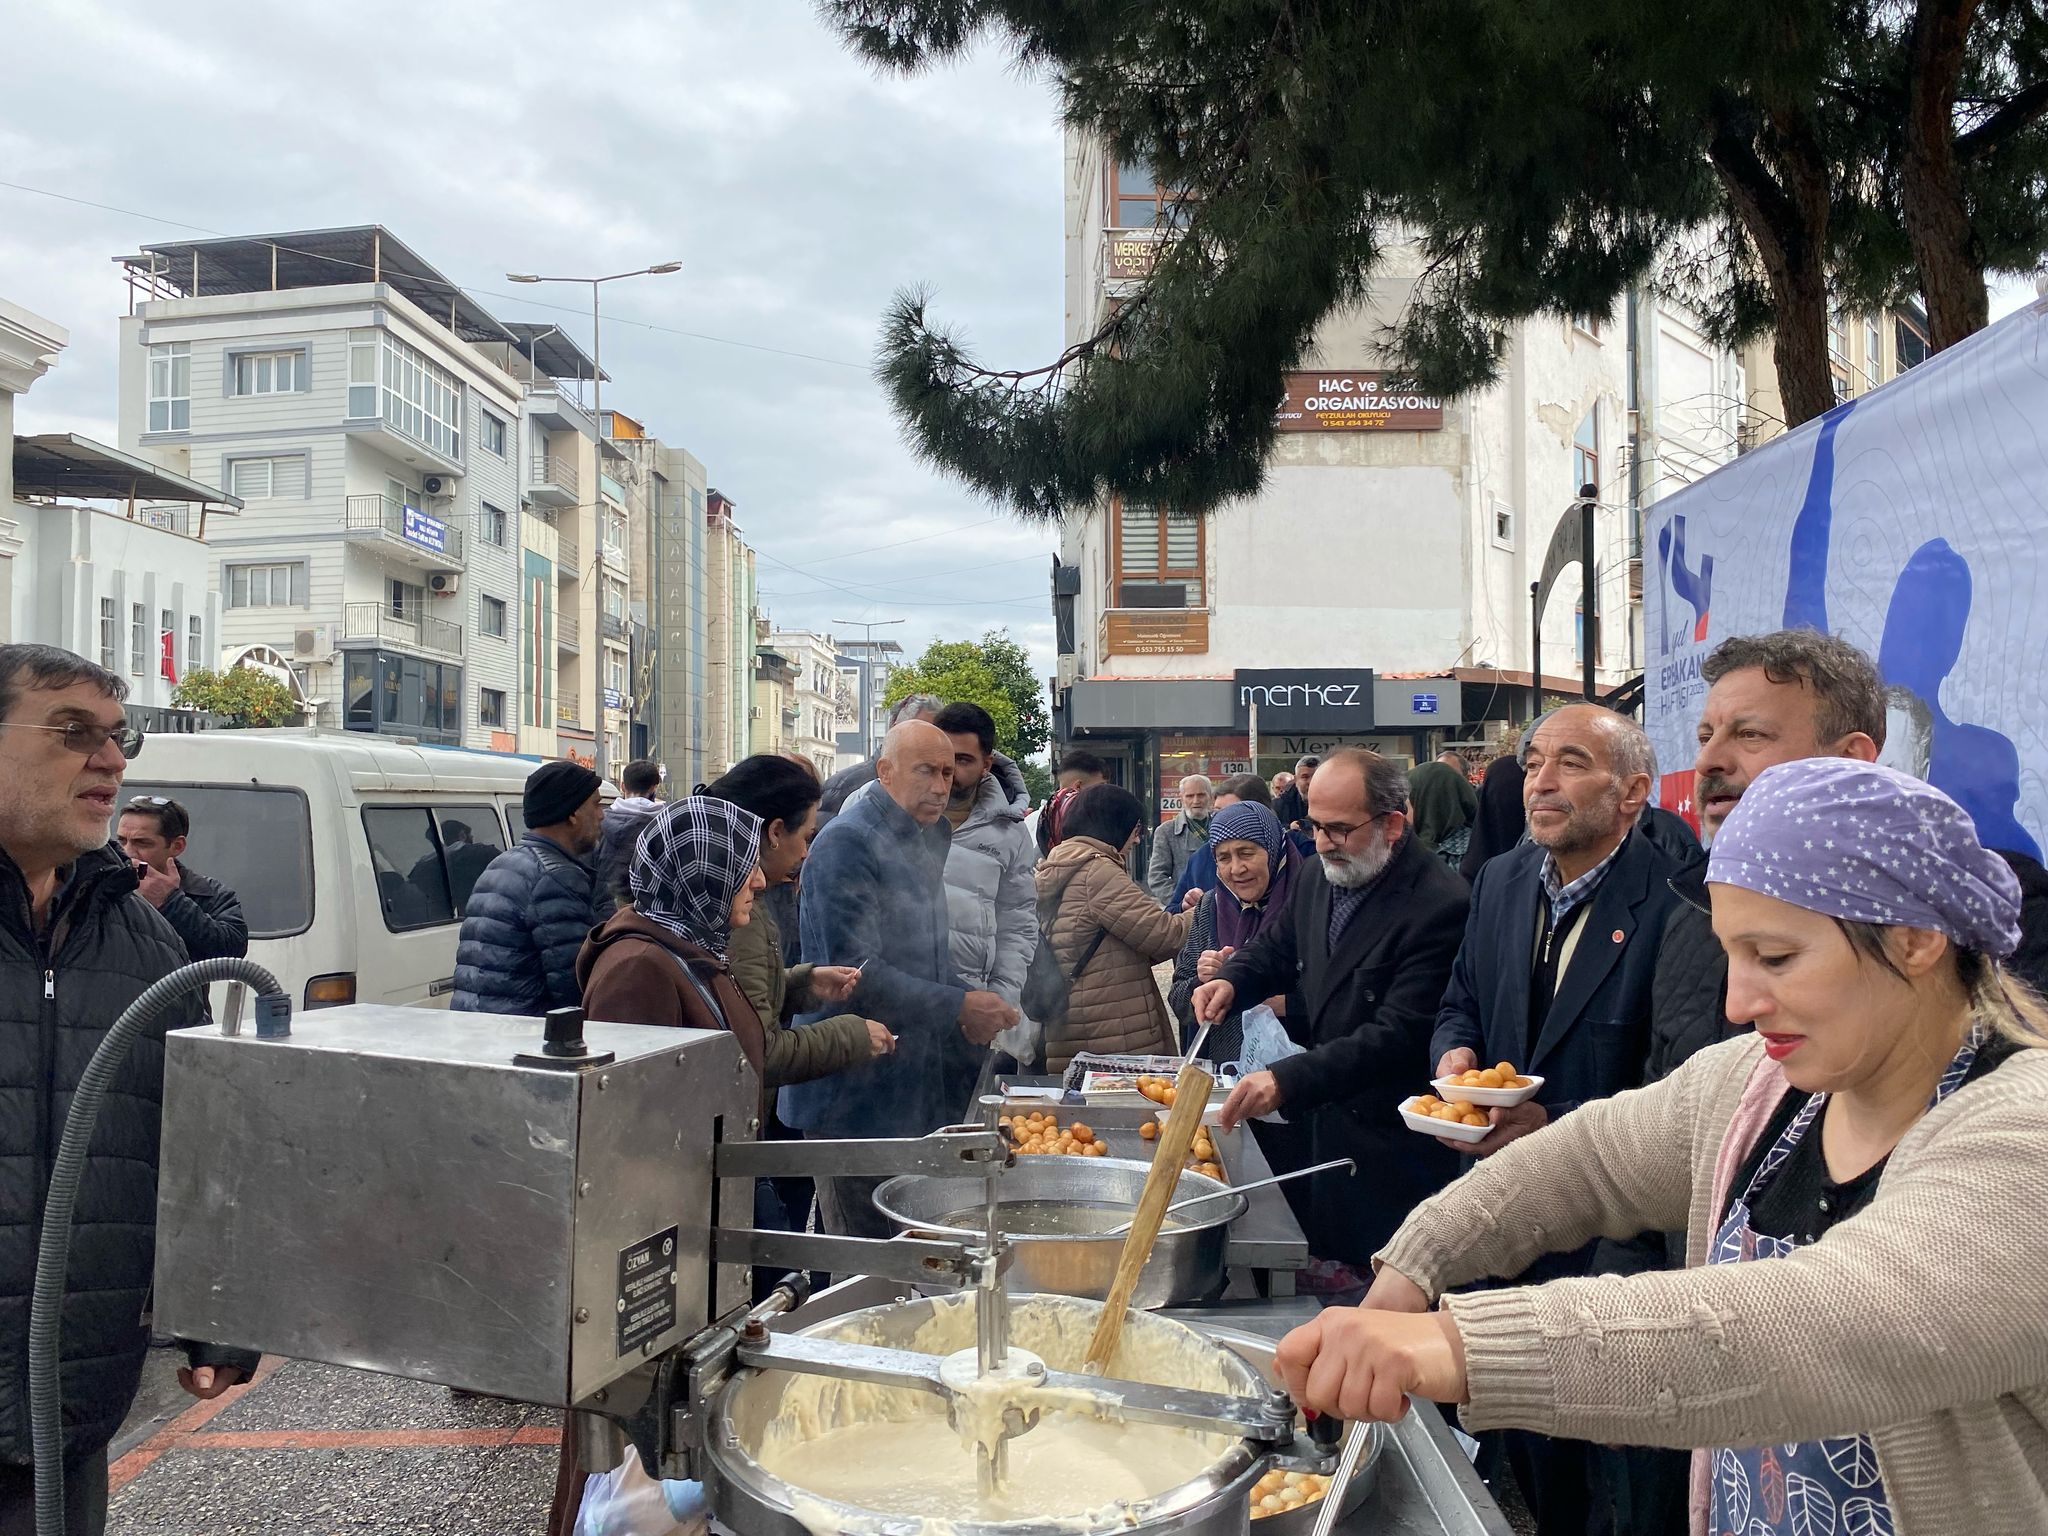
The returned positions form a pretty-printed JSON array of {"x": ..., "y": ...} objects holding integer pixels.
[{"x": 1175, "y": 843}]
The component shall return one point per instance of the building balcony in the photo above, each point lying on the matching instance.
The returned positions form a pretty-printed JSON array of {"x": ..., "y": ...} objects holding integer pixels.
[
  {"x": 615, "y": 559},
  {"x": 568, "y": 554},
  {"x": 568, "y": 631},
  {"x": 409, "y": 628},
  {"x": 570, "y": 715},
  {"x": 554, "y": 481},
  {"x": 612, "y": 626},
  {"x": 406, "y": 534}
]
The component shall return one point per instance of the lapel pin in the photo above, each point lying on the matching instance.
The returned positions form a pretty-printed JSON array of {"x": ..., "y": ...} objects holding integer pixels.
[{"x": 1619, "y": 936}]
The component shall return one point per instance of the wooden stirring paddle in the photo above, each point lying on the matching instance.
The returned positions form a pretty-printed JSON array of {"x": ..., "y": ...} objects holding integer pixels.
[{"x": 1190, "y": 1099}]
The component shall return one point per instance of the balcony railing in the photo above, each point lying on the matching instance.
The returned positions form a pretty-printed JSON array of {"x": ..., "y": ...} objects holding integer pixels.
[
  {"x": 429, "y": 537},
  {"x": 568, "y": 554},
  {"x": 554, "y": 478},
  {"x": 568, "y": 630},
  {"x": 613, "y": 626},
  {"x": 568, "y": 714},
  {"x": 409, "y": 626}
]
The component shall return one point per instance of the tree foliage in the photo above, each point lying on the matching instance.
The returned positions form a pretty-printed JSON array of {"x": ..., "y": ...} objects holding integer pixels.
[
  {"x": 1037, "y": 780},
  {"x": 241, "y": 695},
  {"x": 994, "y": 672},
  {"x": 1541, "y": 155}
]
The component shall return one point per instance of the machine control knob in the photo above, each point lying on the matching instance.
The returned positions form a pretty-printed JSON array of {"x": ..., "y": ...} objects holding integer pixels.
[{"x": 562, "y": 1046}]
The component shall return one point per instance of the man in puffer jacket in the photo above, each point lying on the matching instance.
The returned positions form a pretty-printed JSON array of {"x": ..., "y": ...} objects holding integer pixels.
[
  {"x": 991, "y": 904},
  {"x": 77, "y": 946},
  {"x": 531, "y": 910},
  {"x": 619, "y": 833}
]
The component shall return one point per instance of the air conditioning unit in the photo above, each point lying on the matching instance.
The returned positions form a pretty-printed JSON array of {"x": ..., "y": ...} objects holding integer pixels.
[
  {"x": 1070, "y": 670},
  {"x": 434, "y": 485},
  {"x": 444, "y": 583},
  {"x": 313, "y": 643}
]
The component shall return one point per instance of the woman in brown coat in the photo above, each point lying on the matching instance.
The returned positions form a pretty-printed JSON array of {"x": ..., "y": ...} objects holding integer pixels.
[{"x": 1084, "y": 889}]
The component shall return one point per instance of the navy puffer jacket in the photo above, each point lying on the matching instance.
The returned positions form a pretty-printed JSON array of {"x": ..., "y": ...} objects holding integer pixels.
[
  {"x": 527, "y": 919},
  {"x": 59, "y": 994}
]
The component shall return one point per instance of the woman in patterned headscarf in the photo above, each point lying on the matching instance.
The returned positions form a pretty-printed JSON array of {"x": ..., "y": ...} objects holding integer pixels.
[{"x": 662, "y": 960}]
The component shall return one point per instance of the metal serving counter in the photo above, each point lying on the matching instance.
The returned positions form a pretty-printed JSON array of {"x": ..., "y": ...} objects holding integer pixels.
[{"x": 1426, "y": 1486}]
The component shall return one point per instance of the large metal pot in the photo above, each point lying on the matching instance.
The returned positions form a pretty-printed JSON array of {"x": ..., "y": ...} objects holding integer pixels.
[
  {"x": 1187, "y": 1261},
  {"x": 752, "y": 1501}
]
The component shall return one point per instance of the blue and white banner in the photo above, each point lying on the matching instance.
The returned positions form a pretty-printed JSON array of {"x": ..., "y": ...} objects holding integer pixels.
[
  {"x": 1913, "y": 523},
  {"x": 427, "y": 532}
]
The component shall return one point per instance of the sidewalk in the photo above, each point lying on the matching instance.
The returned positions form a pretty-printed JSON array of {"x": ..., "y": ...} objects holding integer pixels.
[{"x": 317, "y": 1448}]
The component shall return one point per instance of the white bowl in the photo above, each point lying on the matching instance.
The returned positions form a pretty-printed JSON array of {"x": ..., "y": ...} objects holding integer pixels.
[
  {"x": 1450, "y": 1130},
  {"x": 1487, "y": 1098}
]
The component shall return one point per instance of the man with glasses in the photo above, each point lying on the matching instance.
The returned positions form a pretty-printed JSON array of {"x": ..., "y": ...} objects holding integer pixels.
[
  {"x": 207, "y": 916},
  {"x": 78, "y": 944},
  {"x": 1554, "y": 977},
  {"x": 1373, "y": 926}
]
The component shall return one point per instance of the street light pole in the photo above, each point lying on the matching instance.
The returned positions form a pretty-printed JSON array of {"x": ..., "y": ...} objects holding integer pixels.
[{"x": 868, "y": 705}]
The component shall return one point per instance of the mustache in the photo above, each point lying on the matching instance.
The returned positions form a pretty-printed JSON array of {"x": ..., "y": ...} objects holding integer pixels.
[
  {"x": 1710, "y": 786},
  {"x": 1551, "y": 803}
]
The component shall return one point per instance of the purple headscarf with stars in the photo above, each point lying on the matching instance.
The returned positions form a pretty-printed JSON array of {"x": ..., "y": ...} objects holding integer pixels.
[{"x": 1868, "y": 844}]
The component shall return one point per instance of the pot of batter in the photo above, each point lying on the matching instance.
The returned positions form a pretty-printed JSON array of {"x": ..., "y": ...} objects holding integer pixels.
[{"x": 800, "y": 1455}]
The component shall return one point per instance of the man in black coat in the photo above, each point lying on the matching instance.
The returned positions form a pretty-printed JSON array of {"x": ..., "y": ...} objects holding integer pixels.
[
  {"x": 1554, "y": 977},
  {"x": 1374, "y": 926},
  {"x": 206, "y": 915},
  {"x": 77, "y": 946}
]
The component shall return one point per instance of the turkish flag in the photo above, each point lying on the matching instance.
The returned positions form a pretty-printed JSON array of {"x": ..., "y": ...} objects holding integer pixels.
[{"x": 167, "y": 655}]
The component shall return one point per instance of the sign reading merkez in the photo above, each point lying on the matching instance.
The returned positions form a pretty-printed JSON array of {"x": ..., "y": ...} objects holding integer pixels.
[{"x": 1333, "y": 699}]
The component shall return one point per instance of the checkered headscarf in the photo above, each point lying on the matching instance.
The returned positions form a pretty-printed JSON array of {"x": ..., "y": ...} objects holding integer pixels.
[{"x": 690, "y": 863}]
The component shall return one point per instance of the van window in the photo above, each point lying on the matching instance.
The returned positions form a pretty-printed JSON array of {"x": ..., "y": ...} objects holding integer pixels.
[
  {"x": 469, "y": 841},
  {"x": 515, "y": 818},
  {"x": 257, "y": 840},
  {"x": 405, "y": 853}
]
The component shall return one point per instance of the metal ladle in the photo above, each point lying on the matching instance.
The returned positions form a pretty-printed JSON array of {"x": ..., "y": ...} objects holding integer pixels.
[{"x": 1238, "y": 1189}]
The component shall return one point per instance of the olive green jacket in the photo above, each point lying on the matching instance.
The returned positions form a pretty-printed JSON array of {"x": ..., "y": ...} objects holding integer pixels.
[{"x": 791, "y": 1055}]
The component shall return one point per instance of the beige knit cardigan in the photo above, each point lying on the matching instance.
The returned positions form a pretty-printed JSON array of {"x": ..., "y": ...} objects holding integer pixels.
[{"x": 1921, "y": 1321}]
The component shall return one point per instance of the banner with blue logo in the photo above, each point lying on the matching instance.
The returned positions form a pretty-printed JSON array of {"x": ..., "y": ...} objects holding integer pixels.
[
  {"x": 427, "y": 532},
  {"x": 1909, "y": 522}
]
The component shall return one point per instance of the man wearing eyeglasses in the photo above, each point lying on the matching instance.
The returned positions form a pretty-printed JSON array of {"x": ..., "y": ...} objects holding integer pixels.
[
  {"x": 78, "y": 944},
  {"x": 206, "y": 915},
  {"x": 1373, "y": 925}
]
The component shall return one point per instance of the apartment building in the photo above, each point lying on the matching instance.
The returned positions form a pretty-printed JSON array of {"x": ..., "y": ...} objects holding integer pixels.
[
  {"x": 347, "y": 393},
  {"x": 775, "y": 715},
  {"x": 732, "y": 605},
  {"x": 1382, "y": 572},
  {"x": 868, "y": 663},
  {"x": 826, "y": 700},
  {"x": 1864, "y": 351}
]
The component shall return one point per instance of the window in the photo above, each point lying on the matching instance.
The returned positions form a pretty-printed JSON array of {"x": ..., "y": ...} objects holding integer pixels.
[
  {"x": 491, "y": 525},
  {"x": 490, "y": 707},
  {"x": 1139, "y": 202},
  {"x": 263, "y": 479},
  {"x": 1585, "y": 320},
  {"x": 413, "y": 395},
  {"x": 494, "y": 435},
  {"x": 1503, "y": 525},
  {"x": 267, "y": 586},
  {"x": 110, "y": 632},
  {"x": 1586, "y": 455},
  {"x": 1873, "y": 350},
  {"x": 1159, "y": 561},
  {"x": 195, "y": 643},
  {"x": 256, "y": 841},
  {"x": 405, "y": 856},
  {"x": 407, "y": 600},
  {"x": 269, "y": 373},
  {"x": 491, "y": 618},
  {"x": 170, "y": 387},
  {"x": 1910, "y": 343},
  {"x": 167, "y": 642},
  {"x": 1838, "y": 336},
  {"x": 138, "y": 639}
]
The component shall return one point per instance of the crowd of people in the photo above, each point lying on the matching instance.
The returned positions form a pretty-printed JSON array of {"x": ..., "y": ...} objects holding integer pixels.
[{"x": 1812, "y": 1042}]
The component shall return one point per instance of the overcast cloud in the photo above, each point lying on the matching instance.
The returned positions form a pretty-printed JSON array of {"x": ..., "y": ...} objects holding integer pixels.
[{"x": 798, "y": 188}]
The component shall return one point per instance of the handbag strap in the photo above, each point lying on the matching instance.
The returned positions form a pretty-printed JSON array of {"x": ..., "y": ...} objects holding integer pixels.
[
  {"x": 1088, "y": 953},
  {"x": 705, "y": 993}
]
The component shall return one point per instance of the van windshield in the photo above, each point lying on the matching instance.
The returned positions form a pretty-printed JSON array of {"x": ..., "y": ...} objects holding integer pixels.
[{"x": 256, "y": 840}]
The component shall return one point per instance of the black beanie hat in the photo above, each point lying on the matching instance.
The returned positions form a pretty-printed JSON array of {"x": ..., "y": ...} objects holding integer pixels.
[{"x": 556, "y": 791}]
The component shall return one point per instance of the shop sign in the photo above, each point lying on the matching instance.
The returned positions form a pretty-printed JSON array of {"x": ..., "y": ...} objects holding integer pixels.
[
  {"x": 429, "y": 533},
  {"x": 613, "y": 699},
  {"x": 1236, "y": 767},
  {"x": 1357, "y": 401},
  {"x": 1155, "y": 632},
  {"x": 1332, "y": 699},
  {"x": 1424, "y": 703},
  {"x": 1132, "y": 256}
]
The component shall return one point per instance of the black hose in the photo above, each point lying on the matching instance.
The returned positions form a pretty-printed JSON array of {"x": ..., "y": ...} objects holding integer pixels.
[{"x": 53, "y": 1256}]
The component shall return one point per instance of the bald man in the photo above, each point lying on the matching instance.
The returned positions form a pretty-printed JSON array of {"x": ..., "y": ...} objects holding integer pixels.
[{"x": 875, "y": 896}]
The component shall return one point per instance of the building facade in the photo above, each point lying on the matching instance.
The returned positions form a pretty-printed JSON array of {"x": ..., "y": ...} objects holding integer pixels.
[
  {"x": 868, "y": 664},
  {"x": 731, "y": 610},
  {"x": 826, "y": 699},
  {"x": 775, "y": 716}
]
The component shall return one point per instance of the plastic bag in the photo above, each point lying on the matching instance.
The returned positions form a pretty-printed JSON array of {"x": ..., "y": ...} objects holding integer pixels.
[
  {"x": 1265, "y": 1041},
  {"x": 627, "y": 1502}
]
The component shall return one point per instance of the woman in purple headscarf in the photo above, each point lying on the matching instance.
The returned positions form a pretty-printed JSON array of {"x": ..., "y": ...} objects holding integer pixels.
[
  {"x": 1860, "y": 1346},
  {"x": 1255, "y": 866}
]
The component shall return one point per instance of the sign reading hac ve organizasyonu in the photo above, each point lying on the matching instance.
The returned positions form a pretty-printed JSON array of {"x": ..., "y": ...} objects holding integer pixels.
[{"x": 1913, "y": 523}]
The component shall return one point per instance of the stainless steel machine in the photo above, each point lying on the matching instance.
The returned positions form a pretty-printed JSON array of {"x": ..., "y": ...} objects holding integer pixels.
[{"x": 449, "y": 1198}]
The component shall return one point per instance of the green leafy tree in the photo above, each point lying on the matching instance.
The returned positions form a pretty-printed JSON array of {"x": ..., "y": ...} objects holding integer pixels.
[
  {"x": 1545, "y": 155},
  {"x": 956, "y": 671},
  {"x": 1037, "y": 780},
  {"x": 1011, "y": 664},
  {"x": 242, "y": 696}
]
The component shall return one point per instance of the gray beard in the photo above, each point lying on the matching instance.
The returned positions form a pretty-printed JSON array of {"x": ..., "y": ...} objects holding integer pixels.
[{"x": 1352, "y": 870}]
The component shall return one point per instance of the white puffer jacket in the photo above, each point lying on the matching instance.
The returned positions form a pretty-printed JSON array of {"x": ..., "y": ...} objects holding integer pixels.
[{"x": 991, "y": 904}]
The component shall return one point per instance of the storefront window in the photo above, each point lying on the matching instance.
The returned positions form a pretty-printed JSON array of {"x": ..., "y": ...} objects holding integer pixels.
[{"x": 402, "y": 695}]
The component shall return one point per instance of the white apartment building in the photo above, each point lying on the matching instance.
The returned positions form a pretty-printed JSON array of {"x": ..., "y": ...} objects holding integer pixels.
[
  {"x": 340, "y": 387},
  {"x": 826, "y": 700},
  {"x": 1386, "y": 562}
]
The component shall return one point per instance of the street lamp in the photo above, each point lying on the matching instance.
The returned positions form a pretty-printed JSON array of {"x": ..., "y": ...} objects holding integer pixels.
[{"x": 659, "y": 269}]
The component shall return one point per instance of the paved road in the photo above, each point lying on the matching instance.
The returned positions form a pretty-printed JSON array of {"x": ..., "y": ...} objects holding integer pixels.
[{"x": 316, "y": 1448}]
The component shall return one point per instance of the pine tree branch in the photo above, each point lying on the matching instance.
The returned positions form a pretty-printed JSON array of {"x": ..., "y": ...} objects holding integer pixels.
[{"x": 2020, "y": 111}]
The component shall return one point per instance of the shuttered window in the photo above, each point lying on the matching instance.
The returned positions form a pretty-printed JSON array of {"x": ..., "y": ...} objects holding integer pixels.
[{"x": 1160, "y": 559}]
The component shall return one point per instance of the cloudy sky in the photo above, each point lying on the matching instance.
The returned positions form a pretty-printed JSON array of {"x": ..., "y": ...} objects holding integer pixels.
[{"x": 798, "y": 188}]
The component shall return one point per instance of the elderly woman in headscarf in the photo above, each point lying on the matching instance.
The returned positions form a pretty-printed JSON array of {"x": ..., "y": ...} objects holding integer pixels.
[
  {"x": 1858, "y": 1344},
  {"x": 696, "y": 871}
]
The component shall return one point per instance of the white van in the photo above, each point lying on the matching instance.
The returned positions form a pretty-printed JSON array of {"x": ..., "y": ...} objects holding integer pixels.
[{"x": 353, "y": 855}]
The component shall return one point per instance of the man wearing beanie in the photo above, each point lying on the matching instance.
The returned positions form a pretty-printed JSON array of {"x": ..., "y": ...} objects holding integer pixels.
[{"x": 531, "y": 910}]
